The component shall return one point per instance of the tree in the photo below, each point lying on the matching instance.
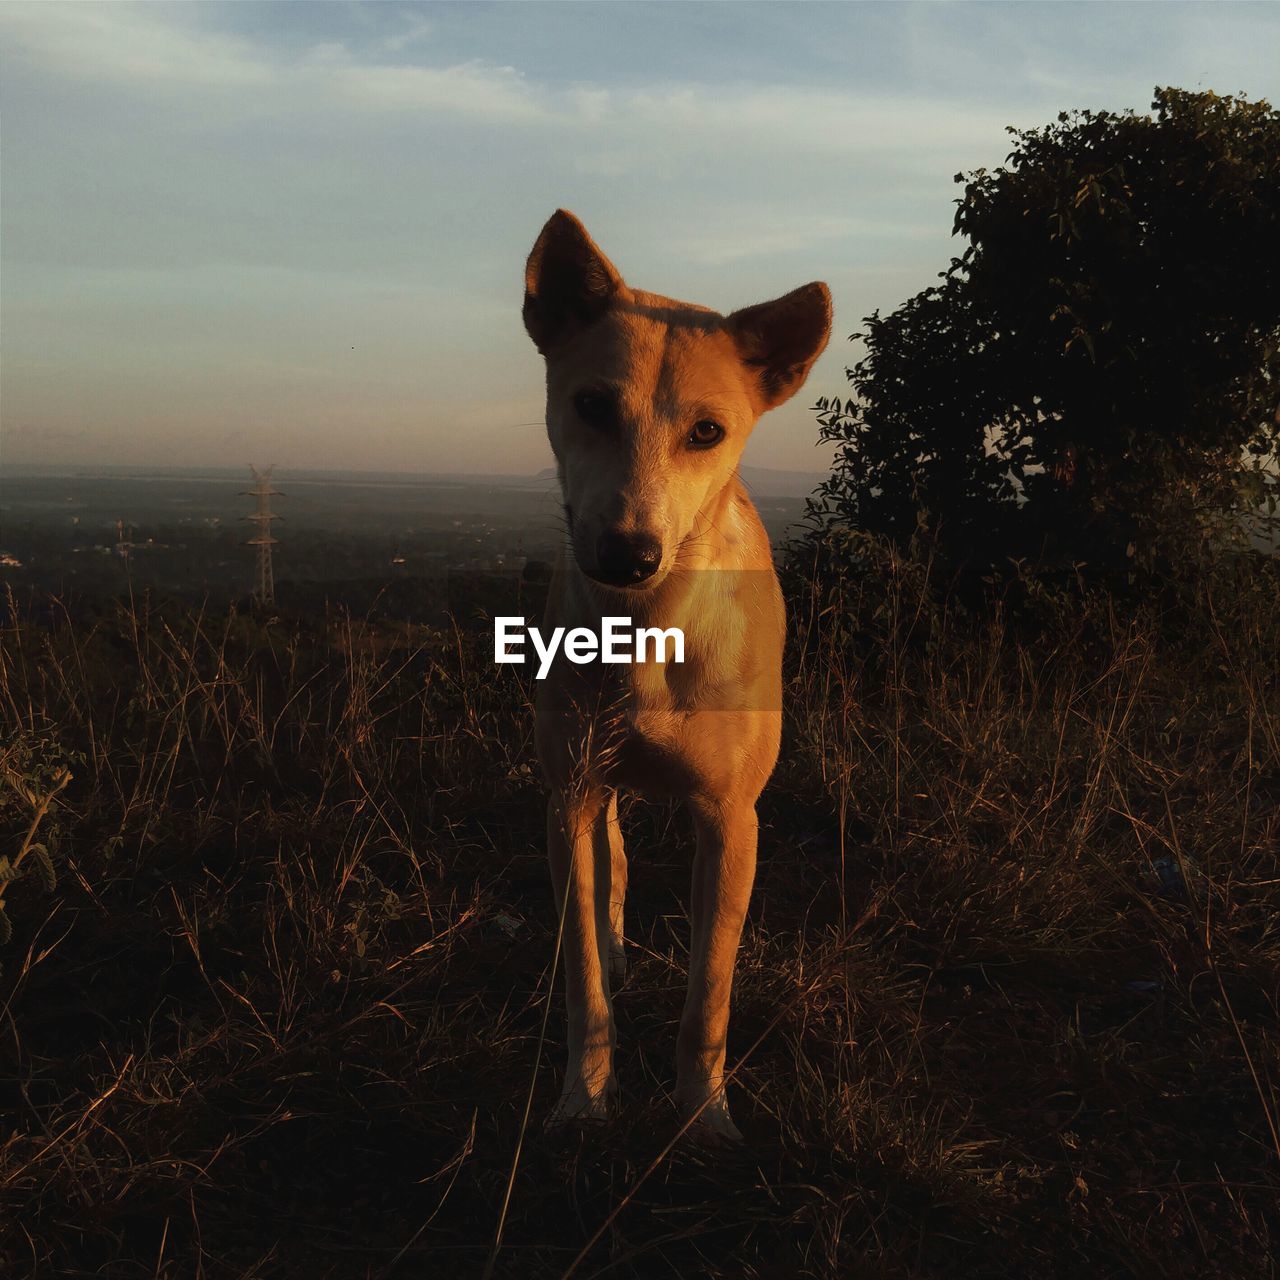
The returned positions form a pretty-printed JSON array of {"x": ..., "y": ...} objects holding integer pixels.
[{"x": 1099, "y": 372}]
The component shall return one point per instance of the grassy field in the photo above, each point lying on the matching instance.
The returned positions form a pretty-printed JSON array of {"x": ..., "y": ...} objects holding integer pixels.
[{"x": 1007, "y": 1003}]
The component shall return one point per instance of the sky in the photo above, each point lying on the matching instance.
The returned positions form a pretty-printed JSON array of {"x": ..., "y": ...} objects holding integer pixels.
[{"x": 295, "y": 233}]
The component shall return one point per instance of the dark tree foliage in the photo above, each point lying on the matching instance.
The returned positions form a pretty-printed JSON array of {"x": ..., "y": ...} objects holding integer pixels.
[{"x": 1098, "y": 375}]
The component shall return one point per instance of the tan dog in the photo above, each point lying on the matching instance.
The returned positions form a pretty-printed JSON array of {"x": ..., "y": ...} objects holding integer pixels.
[{"x": 649, "y": 404}]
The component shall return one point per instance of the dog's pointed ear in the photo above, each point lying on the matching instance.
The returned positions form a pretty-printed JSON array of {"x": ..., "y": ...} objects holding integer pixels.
[
  {"x": 780, "y": 340},
  {"x": 568, "y": 282}
]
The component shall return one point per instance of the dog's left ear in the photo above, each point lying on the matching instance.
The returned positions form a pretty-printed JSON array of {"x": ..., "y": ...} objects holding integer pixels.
[
  {"x": 568, "y": 282},
  {"x": 780, "y": 340}
]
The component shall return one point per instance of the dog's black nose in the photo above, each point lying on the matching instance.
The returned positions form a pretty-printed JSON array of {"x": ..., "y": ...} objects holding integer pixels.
[{"x": 623, "y": 559}]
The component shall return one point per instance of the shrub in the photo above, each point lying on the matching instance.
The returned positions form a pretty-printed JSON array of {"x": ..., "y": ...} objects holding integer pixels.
[{"x": 1097, "y": 378}]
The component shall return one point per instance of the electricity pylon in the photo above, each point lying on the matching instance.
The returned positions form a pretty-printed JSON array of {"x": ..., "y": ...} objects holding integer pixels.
[{"x": 264, "y": 491}]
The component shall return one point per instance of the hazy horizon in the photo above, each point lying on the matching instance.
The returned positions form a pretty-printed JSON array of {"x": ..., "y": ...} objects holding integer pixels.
[
  {"x": 296, "y": 232},
  {"x": 142, "y": 468}
]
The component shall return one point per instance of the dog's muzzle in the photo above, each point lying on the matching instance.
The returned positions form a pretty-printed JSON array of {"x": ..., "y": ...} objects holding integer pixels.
[{"x": 626, "y": 559}]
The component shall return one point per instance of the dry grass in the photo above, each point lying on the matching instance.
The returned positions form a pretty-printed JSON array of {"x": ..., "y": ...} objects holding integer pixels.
[{"x": 1007, "y": 1005}]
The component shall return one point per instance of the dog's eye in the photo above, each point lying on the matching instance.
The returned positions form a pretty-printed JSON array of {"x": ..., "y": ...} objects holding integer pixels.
[
  {"x": 595, "y": 408},
  {"x": 705, "y": 434}
]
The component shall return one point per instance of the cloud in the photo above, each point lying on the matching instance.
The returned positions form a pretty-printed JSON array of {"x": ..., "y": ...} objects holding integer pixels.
[
  {"x": 759, "y": 235},
  {"x": 470, "y": 89},
  {"x": 129, "y": 46},
  {"x": 416, "y": 30},
  {"x": 138, "y": 50},
  {"x": 805, "y": 120},
  {"x": 150, "y": 50}
]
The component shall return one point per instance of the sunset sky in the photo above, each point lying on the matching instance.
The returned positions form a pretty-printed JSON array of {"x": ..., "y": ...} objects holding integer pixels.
[{"x": 295, "y": 233}]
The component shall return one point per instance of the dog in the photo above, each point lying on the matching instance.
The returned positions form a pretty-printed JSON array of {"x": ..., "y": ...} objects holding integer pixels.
[{"x": 649, "y": 404}]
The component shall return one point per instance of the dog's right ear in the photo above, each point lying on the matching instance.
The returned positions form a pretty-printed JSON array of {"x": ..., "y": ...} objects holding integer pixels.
[{"x": 568, "y": 282}]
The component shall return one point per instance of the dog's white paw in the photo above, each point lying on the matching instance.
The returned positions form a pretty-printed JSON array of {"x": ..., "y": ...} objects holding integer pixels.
[
  {"x": 714, "y": 1124},
  {"x": 579, "y": 1105}
]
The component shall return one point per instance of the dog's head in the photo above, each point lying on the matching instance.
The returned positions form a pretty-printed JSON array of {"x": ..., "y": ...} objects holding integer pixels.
[{"x": 650, "y": 401}]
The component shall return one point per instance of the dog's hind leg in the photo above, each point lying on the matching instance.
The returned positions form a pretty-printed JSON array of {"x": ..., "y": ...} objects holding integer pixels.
[
  {"x": 580, "y": 873},
  {"x": 609, "y": 849},
  {"x": 723, "y": 871}
]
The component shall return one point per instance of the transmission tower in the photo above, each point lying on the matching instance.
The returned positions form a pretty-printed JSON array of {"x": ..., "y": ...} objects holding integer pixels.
[{"x": 264, "y": 491}]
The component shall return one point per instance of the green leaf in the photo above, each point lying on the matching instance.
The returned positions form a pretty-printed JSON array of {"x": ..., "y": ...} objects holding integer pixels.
[{"x": 42, "y": 868}]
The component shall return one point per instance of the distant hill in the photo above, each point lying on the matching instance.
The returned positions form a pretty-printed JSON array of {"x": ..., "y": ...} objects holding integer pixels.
[
  {"x": 763, "y": 481},
  {"x": 781, "y": 484}
]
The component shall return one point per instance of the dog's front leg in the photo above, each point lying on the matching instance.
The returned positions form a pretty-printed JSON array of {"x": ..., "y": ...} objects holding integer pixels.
[
  {"x": 609, "y": 846},
  {"x": 723, "y": 871},
  {"x": 581, "y": 876}
]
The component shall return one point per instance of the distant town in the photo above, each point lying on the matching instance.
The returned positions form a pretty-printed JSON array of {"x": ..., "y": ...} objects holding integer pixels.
[{"x": 87, "y": 534}]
